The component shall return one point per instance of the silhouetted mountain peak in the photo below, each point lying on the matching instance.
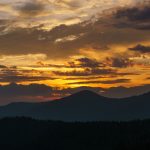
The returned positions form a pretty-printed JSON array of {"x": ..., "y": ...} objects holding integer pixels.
[
  {"x": 85, "y": 96},
  {"x": 85, "y": 93}
]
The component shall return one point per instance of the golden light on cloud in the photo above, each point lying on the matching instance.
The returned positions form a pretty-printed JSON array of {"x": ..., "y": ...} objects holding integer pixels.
[{"x": 75, "y": 43}]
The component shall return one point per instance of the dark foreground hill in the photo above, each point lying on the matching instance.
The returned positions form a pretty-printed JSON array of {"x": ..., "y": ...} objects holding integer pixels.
[
  {"x": 25, "y": 133},
  {"x": 83, "y": 106}
]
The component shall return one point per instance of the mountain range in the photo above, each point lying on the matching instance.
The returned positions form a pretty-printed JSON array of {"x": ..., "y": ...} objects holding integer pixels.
[{"x": 83, "y": 106}]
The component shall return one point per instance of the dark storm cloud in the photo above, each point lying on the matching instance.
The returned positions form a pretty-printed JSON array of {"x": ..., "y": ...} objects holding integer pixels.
[{"x": 141, "y": 48}]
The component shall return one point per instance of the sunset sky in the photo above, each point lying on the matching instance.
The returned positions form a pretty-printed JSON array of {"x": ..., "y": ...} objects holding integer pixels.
[{"x": 49, "y": 47}]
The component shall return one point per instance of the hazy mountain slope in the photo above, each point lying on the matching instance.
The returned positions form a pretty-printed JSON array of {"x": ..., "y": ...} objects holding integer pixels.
[{"x": 83, "y": 106}]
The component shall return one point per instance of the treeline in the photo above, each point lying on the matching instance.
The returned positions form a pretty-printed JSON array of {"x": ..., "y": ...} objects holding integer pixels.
[{"x": 26, "y": 133}]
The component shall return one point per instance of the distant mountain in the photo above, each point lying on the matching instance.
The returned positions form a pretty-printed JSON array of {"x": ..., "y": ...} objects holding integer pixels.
[
  {"x": 124, "y": 92},
  {"x": 83, "y": 106}
]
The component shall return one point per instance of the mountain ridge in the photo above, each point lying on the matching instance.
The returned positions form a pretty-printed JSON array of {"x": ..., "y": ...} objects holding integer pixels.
[{"x": 83, "y": 106}]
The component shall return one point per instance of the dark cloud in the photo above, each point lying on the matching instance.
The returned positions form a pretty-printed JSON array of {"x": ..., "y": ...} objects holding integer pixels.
[
  {"x": 82, "y": 62},
  {"x": 97, "y": 71},
  {"x": 24, "y": 90},
  {"x": 16, "y": 92},
  {"x": 141, "y": 48},
  {"x": 95, "y": 36},
  {"x": 84, "y": 78},
  {"x": 31, "y": 9},
  {"x": 116, "y": 81},
  {"x": 120, "y": 62},
  {"x": 13, "y": 74},
  {"x": 85, "y": 72},
  {"x": 21, "y": 78},
  {"x": 85, "y": 62},
  {"x": 137, "y": 17},
  {"x": 102, "y": 82},
  {"x": 135, "y": 13},
  {"x": 2, "y": 67},
  {"x": 72, "y": 73},
  {"x": 26, "y": 41}
]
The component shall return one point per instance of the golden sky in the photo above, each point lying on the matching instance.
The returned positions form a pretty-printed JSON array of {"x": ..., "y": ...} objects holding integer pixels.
[{"x": 75, "y": 43}]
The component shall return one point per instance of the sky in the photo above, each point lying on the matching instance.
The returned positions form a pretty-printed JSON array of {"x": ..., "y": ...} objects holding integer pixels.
[{"x": 53, "y": 48}]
